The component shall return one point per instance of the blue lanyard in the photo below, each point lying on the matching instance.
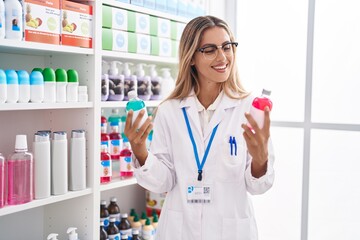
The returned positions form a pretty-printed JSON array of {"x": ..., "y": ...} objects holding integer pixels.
[{"x": 199, "y": 165}]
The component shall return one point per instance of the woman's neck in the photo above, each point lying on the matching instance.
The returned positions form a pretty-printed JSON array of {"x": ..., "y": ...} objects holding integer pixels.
[{"x": 208, "y": 94}]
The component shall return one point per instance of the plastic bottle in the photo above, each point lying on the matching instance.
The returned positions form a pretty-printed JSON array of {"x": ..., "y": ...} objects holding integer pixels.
[
  {"x": 130, "y": 82},
  {"x": 2, "y": 181},
  {"x": 82, "y": 94},
  {"x": 104, "y": 82},
  {"x": 135, "y": 234},
  {"x": 2, "y": 20},
  {"x": 12, "y": 81},
  {"x": 143, "y": 83},
  {"x": 42, "y": 165},
  {"x": 143, "y": 218},
  {"x": 116, "y": 82},
  {"x": 136, "y": 224},
  {"x": 136, "y": 105},
  {"x": 24, "y": 86},
  {"x": 114, "y": 116},
  {"x": 103, "y": 233},
  {"x": 77, "y": 161},
  {"x": 3, "y": 87},
  {"x": 106, "y": 166},
  {"x": 13, "y": 20},
  {"x": 125, "y": 236},
  {"x": 132, "y": 215},
  {"x": 71, "y": 231},
  {"x": 148, "y": 231},
  {"x": 36, "y": 87},
  {"x": 258, "y": 107},
  {"x": 105, "y": 138},
  {"x": 155, "y": 83},
  {"x": 115, "y": 141},
  {"x": 52, "y": 236},
  {"x": 59, "y": 163},
  {"x": 72, "y": 86},
  {"x": 126, "y": 169},
  {"x": 49, "y": 85},
  {"x": 61, "y": 83},
  {"x": 104, "y": 214},
  {"x": 124, "y": 225},
  {"x": 114, "y": 210},
  {"x": 154, "y": 222},
  {"x": 167, "y": 84},
  {"x": 113, "y": 230},
  {"x": 20, "y": 169}
]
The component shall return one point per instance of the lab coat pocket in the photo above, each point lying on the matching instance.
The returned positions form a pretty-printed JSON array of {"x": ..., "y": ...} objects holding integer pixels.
[
  {"x": 240, "y": 229},
  {"x": 173, "y": 225}
]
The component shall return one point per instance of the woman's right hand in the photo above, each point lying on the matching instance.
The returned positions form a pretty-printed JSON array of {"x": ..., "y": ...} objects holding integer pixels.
[{"x": 137, "y": 136}]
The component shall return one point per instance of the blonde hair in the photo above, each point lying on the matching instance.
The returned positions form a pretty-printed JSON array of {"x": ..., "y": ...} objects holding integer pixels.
[{"x": 189, "y": 43}]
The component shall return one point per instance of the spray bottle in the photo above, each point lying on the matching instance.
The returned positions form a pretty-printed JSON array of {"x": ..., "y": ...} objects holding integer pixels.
[
  {"x": 155, "y": 83},
  {"x": 144, "y": 83},
  {"x": 71, "y": 231},
  {"x": 167, "y": 84},
  {"x": 52, "y": 236},
  {"x": 104, "y": 83},
  {"x": 116, "y": 82},
  {"x": 130, "y": 83}
]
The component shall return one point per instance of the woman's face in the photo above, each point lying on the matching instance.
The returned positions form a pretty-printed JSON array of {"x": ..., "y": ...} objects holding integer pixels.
[{"x": 218, "y": 69}]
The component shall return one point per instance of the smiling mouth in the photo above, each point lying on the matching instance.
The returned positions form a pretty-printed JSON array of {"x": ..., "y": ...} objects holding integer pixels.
[{"x": 220, "y": 68}]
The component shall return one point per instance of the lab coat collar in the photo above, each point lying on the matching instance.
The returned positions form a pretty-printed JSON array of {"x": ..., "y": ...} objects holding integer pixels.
[{"x": 191, "y": 108}]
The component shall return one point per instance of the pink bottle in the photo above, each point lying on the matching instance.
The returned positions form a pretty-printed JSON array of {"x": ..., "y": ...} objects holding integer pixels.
[
  {"x": 126, "y": 169},
  {"x": 105, "y": 139},
  {"x": 115, "y": 141},
  {"x": 258, "y": 107},
  {"x": 2, "y": 181},
  {"x": 20, "y": 172},
  {"x": 106, "y": 169}
]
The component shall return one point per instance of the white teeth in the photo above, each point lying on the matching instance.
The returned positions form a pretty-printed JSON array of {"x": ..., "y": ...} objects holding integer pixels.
[{"x": 220, "y": 67}]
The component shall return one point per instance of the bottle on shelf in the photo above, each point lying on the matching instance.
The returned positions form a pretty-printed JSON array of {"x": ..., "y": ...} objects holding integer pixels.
[
  {"x": 2, "y": 181},
  {"x": 258, "y": 107},
  {"x": 148, "y": 231},
  {"x": 106, "y": 166},
  {"x": 104, "y": 214},
  {"x": 136, "y": 105},
  {"x": 116, "y": 83},
  {"x": 154, "y": 222},
  {"x": 20, "y": 169},
  {"x": 114, "y": 116},
  {"x": 124, "y": 225},
  {"x": 105, "y": 138},
  {"x": 59, "y": 163},
  {"x": 114, "y": 210},
  {"x": 24, "y": 86},
  {"x": 115, "y": 141},
  {"x": 103, "y": 233},
  {"x": 72, "y": 234},
  {"x": 143, "y": 218},
  {"x": 72, "y": 86},
  {"x": 3, "y": 87},
  {"x": 167, "y": 83},
  {"x": 49, "y": 85},
  {"x": 155, "y": 83},
  {"x": 136, "y": 224},
  {"x": 36, "y": 87},
  {"x": 12, "y": 81},
  {"x": 42, "y": 165},
  {"x": 13, "y": 20},
  {"x": 143, "y": 83},
  {"x": 132, "y": 215},
  {"x": 77, "y": 160},
  {"x": 113, "y": 231},
  {"x": 130, "y": 82},
  {"x": 61, "y": 83},
  {"x": 104, "y": 83},
  {"x": 126, "y": 169},
  {"x": 2, "y": 20}
]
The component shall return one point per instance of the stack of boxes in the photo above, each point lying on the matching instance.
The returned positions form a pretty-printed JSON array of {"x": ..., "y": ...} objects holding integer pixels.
[
  {"x": 58, "y": 22},
  {"x": 134, "y": 32}
]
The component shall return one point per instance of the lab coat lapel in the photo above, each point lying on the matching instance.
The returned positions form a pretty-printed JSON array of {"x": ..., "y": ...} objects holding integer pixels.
[{"x": 192, "y": 112}]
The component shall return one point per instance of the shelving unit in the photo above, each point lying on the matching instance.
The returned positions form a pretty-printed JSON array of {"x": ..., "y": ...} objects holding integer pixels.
[{"x": 79, "y": 209}]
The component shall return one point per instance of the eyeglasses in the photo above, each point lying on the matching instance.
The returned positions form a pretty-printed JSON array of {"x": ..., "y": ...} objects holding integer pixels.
[{"x": 210, "y": 51}]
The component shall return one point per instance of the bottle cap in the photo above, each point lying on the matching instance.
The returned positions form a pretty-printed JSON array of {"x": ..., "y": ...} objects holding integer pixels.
[
  {"x": 112, "y": 219},
  {"x": 132, "y": 94},
  {"x": 21, "y": 143},
  {"x": 166, "y": 72},
  {"x": 113, "y": 199},
  {"x": 72, "y": 233},
  {"x": 36, "y": 78},
  {"x": 60, "y": 135},
  {"x": 155, "y": 218},
  {"x": 37, "y": 69},
  {"x": 23, "y": 77},
  {"x": 114, "y": 70},
  {"x": 72, "y": 76},
  {"x": 11, "y": 77},
  {"x": 61, "y": 75},
  {"x": 2, "y": 77},
  {"x": 147, "y": 222},
  {"x": 266, "y": 92},
  {"x": 41, "y": 137},
  {"x": 78, "y": 133},
  {"x": 124, "y": 215},
  {"x": 136, "y": 218},
  {"x": 124, "y": 236},
  {"x": 49, "y": 75},
  {"x": 103, "y": 202},
  {"x": 52, "y": 236},
  {"x": 135, "y": 232}
]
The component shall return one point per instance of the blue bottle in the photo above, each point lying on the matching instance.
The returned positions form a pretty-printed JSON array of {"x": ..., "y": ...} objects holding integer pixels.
[{"x": 136, "y": 105}]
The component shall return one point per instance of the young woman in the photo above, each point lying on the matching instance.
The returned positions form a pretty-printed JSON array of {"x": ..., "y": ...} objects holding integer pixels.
[{"x": 203, "y": 154}]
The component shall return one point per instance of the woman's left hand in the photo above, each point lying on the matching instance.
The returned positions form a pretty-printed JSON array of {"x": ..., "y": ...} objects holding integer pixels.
[{"x": 257, "y": 143}]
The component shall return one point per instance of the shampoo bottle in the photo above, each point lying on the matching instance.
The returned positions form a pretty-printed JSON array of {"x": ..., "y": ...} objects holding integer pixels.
[
  {"x": 116, "y": 82},
  {"x": 130, "y": 82},
  {"x": 42, "y": 168},
  {"x": 36, "y": 87},
  {"x": 167, "y": 84},
  {"x": 24, "y": 86},
  {"x": 20, "y": 169},
  {"x": 77, "y": 161},
  {"x": 2, "y": 20},
  {"x": 258, "y": 107},
  {"x": 13, "y": 20},
  {"x": 71, "y": 231},
  {"x": 143, "y": 83},
  {"x": 3, "y": 87},
  {"x": 12, "y": 81},
  {"x": 49, "y": 85},
  {"x": 155, "y": 83},
  {"x": 59, "y": 163}
]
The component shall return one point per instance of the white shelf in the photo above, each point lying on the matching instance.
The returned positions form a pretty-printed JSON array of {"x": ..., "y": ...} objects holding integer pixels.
[
  {"x": 39, "y": 106},
  {"x": 112, "y": 55},
  {"x": 122, "y": 104},
  {"x": 118, "y": 183},
  {"x": 40, "y": 49},
  {"x": 42, "y": 202},
  {"x": 149, "y": 11}
]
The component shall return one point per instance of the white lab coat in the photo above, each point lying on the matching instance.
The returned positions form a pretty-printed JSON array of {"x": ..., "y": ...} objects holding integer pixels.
[{"x": 171, "y": 167}]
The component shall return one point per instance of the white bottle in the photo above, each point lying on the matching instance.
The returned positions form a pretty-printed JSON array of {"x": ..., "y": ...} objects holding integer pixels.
[
  {"x": 82, "y": 94},
  {"x": 2, "y": 20},
  {"x": 36, "y": 87},
  {"x": 52, "y": 236},
  {"x": 116, "y": 82},
  {"x": 72, "y": 86},
  {"x": 167, "y": 84},
  {"x": 13, "y": 20},
  {"x": 155, "y": 83},
  {"x": 143, "y": 82},
  {"x": 61, "y": 83},
  {"x": 3, "y": 87},
  {"x": 77, "y": 161},
  {"x": 49, "y": 85},
  {"x": 24, "y": 86},
  {"x": 130, "y": 83},
  {"x": 71, "y": 231},
  {"x": 42, "y": 168},
  {"x": 59, "y": 164},
  {"x": 12, "y": 86}
]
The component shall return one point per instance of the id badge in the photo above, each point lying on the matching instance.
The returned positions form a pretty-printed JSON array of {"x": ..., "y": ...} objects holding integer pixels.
[{"x": 199, "y": 193}]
